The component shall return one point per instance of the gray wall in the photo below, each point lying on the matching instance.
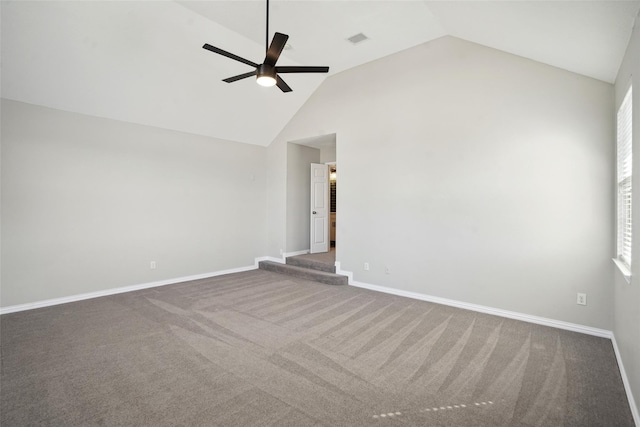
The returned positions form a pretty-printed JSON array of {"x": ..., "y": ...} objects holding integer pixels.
[
  {"x": 626, "y": 326},
  {"x": 474, "y": 175},
  {"x": 87, "y": 203},
  {"x": 299, "y": 159}
]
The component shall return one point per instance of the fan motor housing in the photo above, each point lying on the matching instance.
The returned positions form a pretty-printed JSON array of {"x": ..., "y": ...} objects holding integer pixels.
[{"x": 266, "y": 70}]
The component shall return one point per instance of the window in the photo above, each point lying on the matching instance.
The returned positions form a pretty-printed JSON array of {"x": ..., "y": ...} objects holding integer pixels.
[{"x": 625, "y": 165}]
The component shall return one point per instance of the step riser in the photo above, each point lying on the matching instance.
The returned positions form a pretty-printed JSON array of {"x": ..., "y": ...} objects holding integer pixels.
[
  {"x": 313, "y": 265},
  {"x": 302, "y": 273}
]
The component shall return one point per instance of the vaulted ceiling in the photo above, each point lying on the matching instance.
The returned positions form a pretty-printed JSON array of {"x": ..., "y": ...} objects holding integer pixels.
[{"x": 143, "y": 62}]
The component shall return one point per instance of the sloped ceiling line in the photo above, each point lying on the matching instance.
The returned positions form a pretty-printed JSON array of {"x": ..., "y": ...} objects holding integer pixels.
[{"x": 142, "y": 62}]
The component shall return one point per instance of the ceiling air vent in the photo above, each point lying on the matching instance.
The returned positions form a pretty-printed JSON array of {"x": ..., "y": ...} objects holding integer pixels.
[{"x": 358, "y": 38}]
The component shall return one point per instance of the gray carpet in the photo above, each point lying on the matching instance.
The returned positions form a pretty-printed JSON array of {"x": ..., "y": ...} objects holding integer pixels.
[
  {"x": 308, "y": 270},
  {"x": 262, "y": 349},
  {"x": 328, "y": 258},
  {"x": 322, "y": 261}
]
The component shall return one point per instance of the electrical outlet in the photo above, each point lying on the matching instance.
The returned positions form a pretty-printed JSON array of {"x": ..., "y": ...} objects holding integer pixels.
[
  {"x": 152, "y": 265},
  {"x": 387, "y": 270},
  {"x": 366, "y": 266},
  {"x": 582, "y": 299}
]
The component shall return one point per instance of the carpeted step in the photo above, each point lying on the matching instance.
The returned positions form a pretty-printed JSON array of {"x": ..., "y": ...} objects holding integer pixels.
[
  {"x": 304, "y": 273},
  {"x": 300, "y": 261}
]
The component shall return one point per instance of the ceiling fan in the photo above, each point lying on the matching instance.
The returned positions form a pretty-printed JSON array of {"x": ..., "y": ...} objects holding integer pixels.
[{"x": 267, "y": 73}]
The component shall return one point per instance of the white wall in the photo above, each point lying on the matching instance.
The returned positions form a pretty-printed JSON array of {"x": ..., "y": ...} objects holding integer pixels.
[
  {"x": 472, "y": 174},
  {"x": 277, "y": 198},
  {"x": 148, "y": 53},
  {"x": 299, "y": 159},
  {"x": 87, "y": 203},
  {"x": 626, "y": 325},
  {"x": 328, "y": 150}
]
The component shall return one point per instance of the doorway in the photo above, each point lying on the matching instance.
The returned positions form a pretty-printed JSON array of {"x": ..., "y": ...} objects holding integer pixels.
[
  {"x": 300, "y": 154},
  {"x": 332, "y": 202}
]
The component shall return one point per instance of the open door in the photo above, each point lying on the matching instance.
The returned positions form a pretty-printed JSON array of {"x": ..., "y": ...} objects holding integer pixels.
[{"x": 319, "y": 208}]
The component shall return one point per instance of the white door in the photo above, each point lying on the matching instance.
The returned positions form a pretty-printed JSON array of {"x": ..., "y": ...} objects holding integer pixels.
[{"x": 319, "y": 208}]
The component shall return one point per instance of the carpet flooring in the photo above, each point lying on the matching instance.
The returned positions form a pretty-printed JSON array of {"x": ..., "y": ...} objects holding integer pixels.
[
  {"x": 263, "y": 349},
  {"x": 328, "y": 258}
]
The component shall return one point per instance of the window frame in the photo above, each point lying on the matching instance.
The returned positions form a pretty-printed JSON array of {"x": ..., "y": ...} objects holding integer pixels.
[{"x": 624, "y": 184}]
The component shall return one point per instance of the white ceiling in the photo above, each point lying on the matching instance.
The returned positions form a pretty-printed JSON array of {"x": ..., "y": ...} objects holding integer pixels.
[{"x": 143, "y": 62}]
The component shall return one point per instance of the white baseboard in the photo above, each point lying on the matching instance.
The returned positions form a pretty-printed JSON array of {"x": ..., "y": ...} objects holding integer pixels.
[
  {"x": 283, "y": 259},
  {"x": 459, "y": 304},
  {"x": 512, "y": 315},
  {"x": 269, "y": 258},
  {"x": 296, "y": 253},
  {"x": 342, "y": 272},
  {"x": 423, "y": 297},
  {"x": 113, "y": 291},
  {"x": 489, "y": 310},
  {"x": 625, "y": 381},
  {"x": 603, "y": 333},
  {"x": 479, "y": 308}
]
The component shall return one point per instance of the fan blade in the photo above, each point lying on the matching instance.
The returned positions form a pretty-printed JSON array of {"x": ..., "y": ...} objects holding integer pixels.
[
  {"x": 239, "y": 77},
  {"x": 229, "y": 55},
  {"x": 282, "y": 85},
  {"x": 294, "y": 69},
  {"x": 277, "y": 44}
]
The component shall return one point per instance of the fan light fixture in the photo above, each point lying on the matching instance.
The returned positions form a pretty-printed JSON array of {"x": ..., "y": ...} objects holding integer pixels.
[
  {"x": 267, "y": 74},
  {"x": 266, "y": 81}
]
